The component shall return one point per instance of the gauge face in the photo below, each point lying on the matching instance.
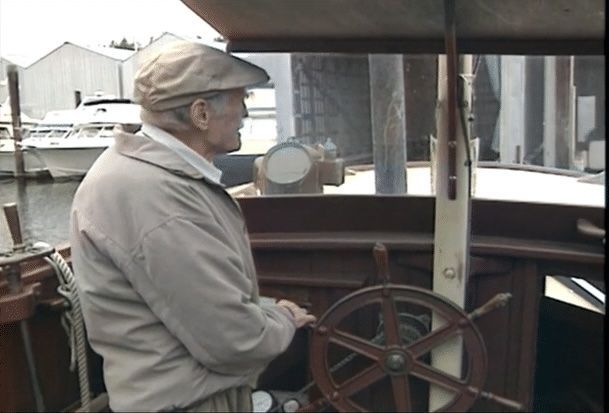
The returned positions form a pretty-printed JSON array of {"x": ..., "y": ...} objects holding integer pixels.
[
  {"x": 262, "y": 401},
  {"x": 291, "y": 406},
  {"x": 287, "y": 165}
]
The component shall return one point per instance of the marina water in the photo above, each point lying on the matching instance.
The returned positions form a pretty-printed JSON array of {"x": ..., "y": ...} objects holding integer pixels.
[{"x": 44, "y": 209}]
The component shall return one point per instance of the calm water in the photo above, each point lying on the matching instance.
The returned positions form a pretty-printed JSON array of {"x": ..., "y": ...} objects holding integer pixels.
[{"x": 44, "y": 208}]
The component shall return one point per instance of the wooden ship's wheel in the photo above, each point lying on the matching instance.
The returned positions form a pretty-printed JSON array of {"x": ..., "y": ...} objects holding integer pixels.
[{"x": 399, "y": 351}]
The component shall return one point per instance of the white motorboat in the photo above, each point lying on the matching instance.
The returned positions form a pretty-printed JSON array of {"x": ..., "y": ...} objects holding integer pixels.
[
  {"x": 71, "y": 155},
  {"x": 32, "y": 164}
]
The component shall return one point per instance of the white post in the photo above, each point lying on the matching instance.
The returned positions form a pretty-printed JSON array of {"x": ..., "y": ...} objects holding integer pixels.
[
  {"x": 284, "y": 97},
  {"x": 452, "y": 227},
  {"x": 549, "y": 112}
]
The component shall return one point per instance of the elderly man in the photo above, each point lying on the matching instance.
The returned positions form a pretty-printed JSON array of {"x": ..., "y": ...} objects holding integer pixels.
[{"x": 164, "y": 268}]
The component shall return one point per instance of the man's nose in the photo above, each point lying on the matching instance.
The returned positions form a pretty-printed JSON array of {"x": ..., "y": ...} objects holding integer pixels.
[{"x": 245, "y": 112}]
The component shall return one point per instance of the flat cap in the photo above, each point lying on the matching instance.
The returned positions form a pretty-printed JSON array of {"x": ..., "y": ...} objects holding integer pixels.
[{"x": 184, "y": 70}]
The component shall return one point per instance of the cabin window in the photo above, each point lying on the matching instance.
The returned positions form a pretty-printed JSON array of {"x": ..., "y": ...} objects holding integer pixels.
[
  {"x": 538, "y": 124},
  {"x": 57, "y": 133}
]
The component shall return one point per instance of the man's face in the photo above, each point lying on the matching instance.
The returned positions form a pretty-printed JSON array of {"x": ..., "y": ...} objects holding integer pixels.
[{"x": 224, "y": 125}]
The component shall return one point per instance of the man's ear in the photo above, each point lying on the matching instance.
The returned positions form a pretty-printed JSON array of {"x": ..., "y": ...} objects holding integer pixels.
[{"x": 199, "y": 114}]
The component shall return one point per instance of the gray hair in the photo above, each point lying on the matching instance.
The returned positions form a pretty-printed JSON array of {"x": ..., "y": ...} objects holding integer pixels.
[{"x": 178, "y": 119}]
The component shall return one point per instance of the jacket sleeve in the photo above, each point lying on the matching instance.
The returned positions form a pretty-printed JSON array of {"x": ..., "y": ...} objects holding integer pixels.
[{"x": 196, "y": 284}]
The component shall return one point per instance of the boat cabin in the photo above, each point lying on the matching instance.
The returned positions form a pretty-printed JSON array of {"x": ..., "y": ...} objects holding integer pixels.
[{"x": 449, "y": 274}]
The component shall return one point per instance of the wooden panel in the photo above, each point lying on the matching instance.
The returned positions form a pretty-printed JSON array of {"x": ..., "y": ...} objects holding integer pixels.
[
  {"x": 411, "y": 216},
  {"x": 510, "y": 333},
  {"x": 52, "y": 358}
]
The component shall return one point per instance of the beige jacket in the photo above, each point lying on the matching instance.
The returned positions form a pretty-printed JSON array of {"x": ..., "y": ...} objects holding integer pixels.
[{"x": 167, "y": 280}]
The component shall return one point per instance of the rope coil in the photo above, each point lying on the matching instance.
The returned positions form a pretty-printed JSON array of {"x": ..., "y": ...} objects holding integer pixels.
[{"x": 73, "y": 324}]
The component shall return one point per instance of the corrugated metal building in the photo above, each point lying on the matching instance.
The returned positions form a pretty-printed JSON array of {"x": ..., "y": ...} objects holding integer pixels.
[{"x": 50, "y": 82}]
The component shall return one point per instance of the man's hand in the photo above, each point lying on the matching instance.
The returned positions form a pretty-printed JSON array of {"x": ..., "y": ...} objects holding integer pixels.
[{"x": 301, "y": 317}]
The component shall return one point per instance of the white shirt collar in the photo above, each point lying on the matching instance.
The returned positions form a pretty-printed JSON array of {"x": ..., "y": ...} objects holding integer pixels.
[{"x": 202, "y": 165}]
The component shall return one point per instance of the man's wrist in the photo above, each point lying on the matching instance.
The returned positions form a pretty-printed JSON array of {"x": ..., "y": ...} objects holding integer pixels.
[{"x": 287, "y": 307}]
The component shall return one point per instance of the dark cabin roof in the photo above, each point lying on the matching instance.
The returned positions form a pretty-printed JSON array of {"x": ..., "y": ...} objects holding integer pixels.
[{"x": 407, "y": 26}]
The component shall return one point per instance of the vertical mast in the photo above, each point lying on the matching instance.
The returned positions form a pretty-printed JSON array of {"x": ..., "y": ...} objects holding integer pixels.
[{"x": 453, "y": 199}]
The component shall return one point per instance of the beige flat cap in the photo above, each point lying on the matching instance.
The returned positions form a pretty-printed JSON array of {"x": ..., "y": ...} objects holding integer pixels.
[{"x": 185, "y": 70}]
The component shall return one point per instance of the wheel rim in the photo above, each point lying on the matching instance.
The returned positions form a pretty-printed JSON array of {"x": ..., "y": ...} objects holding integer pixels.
[{"x": 393, "y": 358}]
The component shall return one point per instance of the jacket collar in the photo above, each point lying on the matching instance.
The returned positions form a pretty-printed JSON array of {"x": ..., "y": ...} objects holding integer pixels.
[
  {"x": 207, "y": 168},
  {"x": 147, "y": 150}
]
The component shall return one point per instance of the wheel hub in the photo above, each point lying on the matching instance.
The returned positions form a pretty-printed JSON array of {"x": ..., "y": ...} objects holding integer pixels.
[{"x": 395, "y": 362}]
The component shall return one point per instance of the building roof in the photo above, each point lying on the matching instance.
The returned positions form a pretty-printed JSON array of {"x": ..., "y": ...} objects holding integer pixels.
[
  {"x": 20, "y": 60},
  {"x": 111, "y": 52},
  {"x": 26, "y": 61}
]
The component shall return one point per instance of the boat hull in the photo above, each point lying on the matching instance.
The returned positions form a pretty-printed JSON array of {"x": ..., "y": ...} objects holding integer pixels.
[
  {"x": 64, "y": 163},
  {"x": 315, "y": 250},
  {"x": 33, "y": 165}
]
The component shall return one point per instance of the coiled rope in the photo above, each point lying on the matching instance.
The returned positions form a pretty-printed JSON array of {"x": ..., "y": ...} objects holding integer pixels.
[{"x": 73, "y": 324}]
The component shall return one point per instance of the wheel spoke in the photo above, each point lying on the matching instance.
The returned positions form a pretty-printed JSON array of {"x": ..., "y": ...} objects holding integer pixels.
[
  {"x": 357, "y": 344},
  {"x": 401, "y": 393},
  {"x": 432, "y": 340},
  {"x": 438, "y": 377},
  {"x": 391, "y": 323},
  {"x": 361, "y": 380}
]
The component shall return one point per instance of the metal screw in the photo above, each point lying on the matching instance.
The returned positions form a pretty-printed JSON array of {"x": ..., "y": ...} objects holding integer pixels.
[
  {"x": 322, "y": 330},
  {"x": 395, "y": 362},
  {"x": 335, "y": 396},
  {"x": 449, "y": 273}
]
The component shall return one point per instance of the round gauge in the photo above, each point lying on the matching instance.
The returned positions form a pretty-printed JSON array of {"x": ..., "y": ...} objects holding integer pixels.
[
  {"x": 291, "y": 406},
  {"x": 262, "y": 401},
  {"x": 287, "y": 163}
]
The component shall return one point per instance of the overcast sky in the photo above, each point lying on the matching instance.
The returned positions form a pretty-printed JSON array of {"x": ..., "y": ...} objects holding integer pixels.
[{"x": 31, "y": 28}]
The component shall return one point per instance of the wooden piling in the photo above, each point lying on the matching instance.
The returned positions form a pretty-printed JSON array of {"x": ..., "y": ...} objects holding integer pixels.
[{"x": 13, "y": 90}]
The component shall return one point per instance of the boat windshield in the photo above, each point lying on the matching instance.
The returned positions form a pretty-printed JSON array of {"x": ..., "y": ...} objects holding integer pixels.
[
  {"x": 47, "y": 133},
  {"x": 4, "y": 133},
  {"x": 94, "y": 131},
  {"x": 538, "y": 124}
]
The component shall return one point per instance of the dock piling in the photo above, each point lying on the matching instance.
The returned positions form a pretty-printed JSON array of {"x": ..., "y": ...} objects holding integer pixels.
[{"x": 13, "y": 90}]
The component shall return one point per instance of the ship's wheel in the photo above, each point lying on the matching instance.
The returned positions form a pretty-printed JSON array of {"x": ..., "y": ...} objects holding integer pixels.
[{"x": 394, "y": 356}]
